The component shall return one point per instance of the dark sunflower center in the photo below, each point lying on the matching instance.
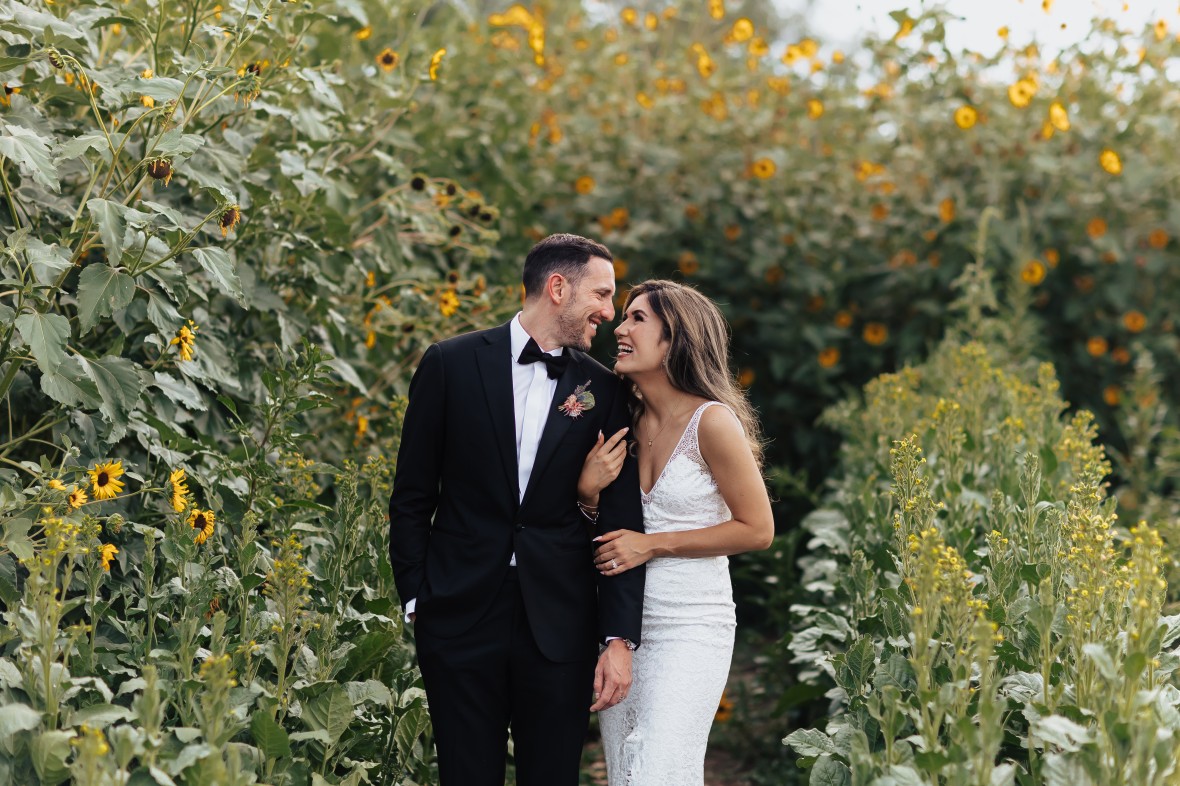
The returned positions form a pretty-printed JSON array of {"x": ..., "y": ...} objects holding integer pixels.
[
  {"x": 199, "y": 521},
  {"x": 103, "y": 479}
]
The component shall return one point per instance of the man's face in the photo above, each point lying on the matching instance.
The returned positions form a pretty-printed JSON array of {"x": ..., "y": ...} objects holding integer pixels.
[{"x": 591, "y": 303}]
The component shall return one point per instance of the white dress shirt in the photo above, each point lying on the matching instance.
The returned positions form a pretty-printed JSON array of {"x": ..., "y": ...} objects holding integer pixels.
[{"x": 532, "y": 392}]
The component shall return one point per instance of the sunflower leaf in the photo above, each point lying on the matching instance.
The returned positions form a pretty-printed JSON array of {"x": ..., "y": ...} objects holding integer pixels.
[
  {"x": 29, "y": 150},
  {"x": 101, "y": 291},
  {"x": 46, "y": 335}
]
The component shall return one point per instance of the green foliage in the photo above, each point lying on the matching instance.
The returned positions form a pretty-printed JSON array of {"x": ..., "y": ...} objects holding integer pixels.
[
  {"x": 992, "y": 620},
  {"x": 828, "y": 202},
  {"x": 219, "y": 269}
]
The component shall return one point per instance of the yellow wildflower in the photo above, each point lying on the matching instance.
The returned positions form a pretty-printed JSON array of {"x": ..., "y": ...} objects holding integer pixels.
[
  {"x": 107, "y": 553},
  {"x": 186, "y": 338},
  {"x": 77, "y": 497},
  {"x": 1111, "y": 162},
  {"x": 435, "y": 62}
]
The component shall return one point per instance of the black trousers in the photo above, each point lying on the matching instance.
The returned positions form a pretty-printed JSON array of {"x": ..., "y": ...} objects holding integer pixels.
[{"x": 494, "y": 678}]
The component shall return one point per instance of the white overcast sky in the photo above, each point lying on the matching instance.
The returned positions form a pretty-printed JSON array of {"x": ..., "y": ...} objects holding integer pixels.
[{"x": 840, "y": 22}]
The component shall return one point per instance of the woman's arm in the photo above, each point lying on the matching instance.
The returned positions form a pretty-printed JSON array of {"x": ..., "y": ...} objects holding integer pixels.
[{"x": 725, "y": 449}]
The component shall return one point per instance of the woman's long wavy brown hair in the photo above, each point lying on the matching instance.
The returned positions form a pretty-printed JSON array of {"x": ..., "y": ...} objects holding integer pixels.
[{"x": 698, "y": 360}]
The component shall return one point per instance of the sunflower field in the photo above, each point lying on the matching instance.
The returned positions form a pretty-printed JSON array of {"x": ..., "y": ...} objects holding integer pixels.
[{"x": 231, "y": 228}]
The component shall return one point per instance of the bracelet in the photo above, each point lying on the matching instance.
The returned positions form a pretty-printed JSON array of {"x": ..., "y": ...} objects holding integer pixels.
[{"x": 590, "y": 512}]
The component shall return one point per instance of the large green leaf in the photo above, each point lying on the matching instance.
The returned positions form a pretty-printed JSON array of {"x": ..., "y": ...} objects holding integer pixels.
[
  {"x": 118, "y": 384},
  {"x": 46, "y": 335},
  {"x": 17, "y": 717},
  {"x": 220, "y": 265},
  {"x": 102, "y": 290},
  {"x": 269, "y": 736},
  {"x": 49, "y": 751},
  {"x": 30, "y": 151},
  {"x": 69, "y": 385},
  {"x": 111, "y": 227},
  {"x": 330, "y": 711}
]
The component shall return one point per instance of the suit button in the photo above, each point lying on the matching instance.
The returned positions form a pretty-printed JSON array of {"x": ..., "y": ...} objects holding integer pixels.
[{"x": 519, "y": 527}]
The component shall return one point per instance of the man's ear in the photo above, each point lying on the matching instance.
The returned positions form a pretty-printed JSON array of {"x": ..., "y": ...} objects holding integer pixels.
[{"x": 557, "y": 288}]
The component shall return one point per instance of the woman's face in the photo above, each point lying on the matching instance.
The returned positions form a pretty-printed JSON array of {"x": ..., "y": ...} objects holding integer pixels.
[{"x": 641, "y": 339}]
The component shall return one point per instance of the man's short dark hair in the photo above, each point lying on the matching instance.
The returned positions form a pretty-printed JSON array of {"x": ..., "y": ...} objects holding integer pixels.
[{"x": 562, "y": 253}]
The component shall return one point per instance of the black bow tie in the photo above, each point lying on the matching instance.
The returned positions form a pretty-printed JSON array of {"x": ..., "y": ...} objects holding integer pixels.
[{"x": 554, "y": 364}]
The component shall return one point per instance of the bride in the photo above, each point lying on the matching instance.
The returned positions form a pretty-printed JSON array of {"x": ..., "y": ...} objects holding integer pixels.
[{"x": 699, "y": 455}]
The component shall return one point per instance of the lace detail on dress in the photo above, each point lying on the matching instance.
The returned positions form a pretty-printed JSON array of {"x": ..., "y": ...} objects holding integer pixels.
[{"x": 657, "y": 735}]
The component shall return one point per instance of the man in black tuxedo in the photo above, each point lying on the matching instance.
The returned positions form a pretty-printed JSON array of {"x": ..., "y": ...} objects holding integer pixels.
[{"x": 490, "y": 551}]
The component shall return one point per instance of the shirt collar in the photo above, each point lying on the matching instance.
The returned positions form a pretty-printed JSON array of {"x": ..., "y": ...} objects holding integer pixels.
[{"x": 520, "y": 337}]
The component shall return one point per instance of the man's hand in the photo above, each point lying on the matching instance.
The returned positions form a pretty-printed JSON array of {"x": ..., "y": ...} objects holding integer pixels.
[{"x": 612, "y": 676}]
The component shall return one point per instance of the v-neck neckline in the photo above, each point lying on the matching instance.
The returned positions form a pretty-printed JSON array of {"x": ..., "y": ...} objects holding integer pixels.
[{"x": 672, "y": 455}]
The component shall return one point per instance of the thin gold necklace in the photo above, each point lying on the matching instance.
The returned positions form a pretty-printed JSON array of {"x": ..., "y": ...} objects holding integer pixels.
[{"x": 656, "y": 436}]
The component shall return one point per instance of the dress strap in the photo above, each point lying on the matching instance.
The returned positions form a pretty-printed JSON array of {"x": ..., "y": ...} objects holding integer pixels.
[{"x": 691, "y": 445}]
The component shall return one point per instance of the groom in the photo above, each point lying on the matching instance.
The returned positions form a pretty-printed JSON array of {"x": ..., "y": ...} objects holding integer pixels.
[{"x": 489, "y": 549}]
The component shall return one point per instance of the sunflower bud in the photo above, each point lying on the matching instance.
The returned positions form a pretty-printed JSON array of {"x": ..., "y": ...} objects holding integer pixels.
[
  {"x": 418, "y": 183},
  {"x": 115, "y": 523},
  {"x": 55, "y": 57},
  {"x": 160, "y": 169},
  {"x": 229, "y": 219}
]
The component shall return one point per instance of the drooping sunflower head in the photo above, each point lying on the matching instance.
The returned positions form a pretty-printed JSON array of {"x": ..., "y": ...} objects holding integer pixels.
[
  {"x": 77, "y": 497},
  {"x": 177, "y": 479},
  {"x": 160, "y": 169},
  {"x": 202, "y": 522},
  {"x": 104, "y": 480},
  {"x": 229, "y": 219},
  {"x": 107, "y": 553}
]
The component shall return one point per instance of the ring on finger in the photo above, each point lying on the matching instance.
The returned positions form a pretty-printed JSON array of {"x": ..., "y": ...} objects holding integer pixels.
[{"x": 614, "y": 564}]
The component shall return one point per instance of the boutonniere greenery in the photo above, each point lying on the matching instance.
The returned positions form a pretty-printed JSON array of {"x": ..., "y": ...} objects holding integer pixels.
[{"x": 581, "y": 400}]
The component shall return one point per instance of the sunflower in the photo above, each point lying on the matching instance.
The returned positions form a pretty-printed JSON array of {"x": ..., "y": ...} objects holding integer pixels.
[
  {"x": 1134, "y": 321},
  {"x": 743, "y": 30},
  {"x": 106, "y": 553},
  {"x": 763, "y": 168},
  {"x": 1058, "y": 117},
  {"x": 746, "y": 377},
  {"x": 388, "y": 59},
  {"x": 1160, "y": 28},
  {"x": 1097, "y": 346},
  {"x": 1052, "y": 256},
  {"x": 1111, "y": 162},
  {"x": 56, "y": 485},
  {"x": 77, "y": 497},
  {"x": 966, "y": 117},
  {"x": 202, "y": 522},
  {"x": 1096, "y": 228},
  {"x": 629, "y": 16},
  {"x": 230, "y": 217},
  {"x": 186, "y": 339},
  {"x": 584, "y": 184},
  {"x": 1158, "y": 239},
  {"x": 829, "y": 357},
  {"x": 724, "y": 709},
  {"x": 435, "y": 62},
  {"x": 732, "y": 232},
  {"x": 160, "y": 169},
  {"x": 688, "y": 263},
  {"x": 621, "y": 268},
  {"x": 1112, "y": 395},
  {"x": 105, "y": 480},
  {"x": 717, "y": 9},
  {"x": 448, "y": 303},
  {"x": 1021, "y": 93},
  {"x": 876, "y": 334},
  {"x": 1033, "y": 272},
  {"x": 946, "y": 210},
  {"x": 815, "y": 108},
  {"x": 147, "y": 101},
  {"x": 843, "y": 319},
  {"x": 364, "y": 33},
  {"x": 178, "y": 481}
]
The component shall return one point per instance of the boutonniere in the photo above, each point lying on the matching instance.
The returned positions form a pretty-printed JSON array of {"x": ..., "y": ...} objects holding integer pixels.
[{"x": 581, "y": 400}]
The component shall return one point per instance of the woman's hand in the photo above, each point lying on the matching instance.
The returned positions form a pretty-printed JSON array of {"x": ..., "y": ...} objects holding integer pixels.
[
  {"x": 622, "y": 550},
  {"x": 602, "y": 466}
]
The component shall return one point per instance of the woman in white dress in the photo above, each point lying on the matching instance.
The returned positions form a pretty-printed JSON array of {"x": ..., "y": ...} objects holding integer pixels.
[{"x": 698, "y": 446}]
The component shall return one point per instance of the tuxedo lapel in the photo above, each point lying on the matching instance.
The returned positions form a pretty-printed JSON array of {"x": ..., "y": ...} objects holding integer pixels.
[
  {"x": 558, "y": 423},
  {"x": 495, "y": 370}
]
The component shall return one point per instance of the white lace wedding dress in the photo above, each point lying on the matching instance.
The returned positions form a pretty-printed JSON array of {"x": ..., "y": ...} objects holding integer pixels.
[{"x": 657, "y": 735}]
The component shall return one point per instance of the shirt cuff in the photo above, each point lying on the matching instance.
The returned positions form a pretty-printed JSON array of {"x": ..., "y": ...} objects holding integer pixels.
[{"x": 411, "y": 604}]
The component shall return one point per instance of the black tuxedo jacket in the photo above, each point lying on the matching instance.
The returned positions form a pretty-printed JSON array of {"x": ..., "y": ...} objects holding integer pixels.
[{"x": 456, "y": 515}]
